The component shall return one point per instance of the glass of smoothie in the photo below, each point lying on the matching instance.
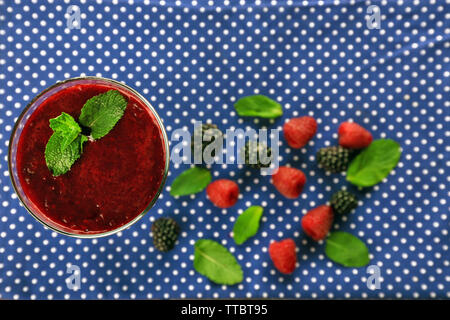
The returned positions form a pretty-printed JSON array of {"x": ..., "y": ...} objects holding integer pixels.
[{"x": 116, "y": 180}]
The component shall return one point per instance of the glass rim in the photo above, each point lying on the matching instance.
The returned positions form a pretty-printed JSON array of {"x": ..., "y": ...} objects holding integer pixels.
[{"x": 163, "y": 180}]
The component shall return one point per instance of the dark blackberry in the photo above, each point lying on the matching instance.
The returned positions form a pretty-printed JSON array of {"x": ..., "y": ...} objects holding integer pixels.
[
  {"x": 252, "y": 152},
  {"x": 334, "y": 159},
  {"x": 343, "y": 202},
  {"x": 206, "y": 134},
  {"x": 165, "y": 233}
]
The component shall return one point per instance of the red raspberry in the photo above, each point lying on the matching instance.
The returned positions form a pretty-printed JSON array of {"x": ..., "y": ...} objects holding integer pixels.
[
  {"x": 283, "y": 255},
  {"x": 317, "y": 222},
  {"x": 353, "y": 136},
  {"x": 289, "y": 181},
  {"x": 223, "y": 193},
  {"x": 298, "y": 131}
]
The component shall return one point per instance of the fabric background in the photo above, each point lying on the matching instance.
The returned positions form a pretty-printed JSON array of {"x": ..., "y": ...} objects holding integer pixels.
[{"x": 193, "y": 60}]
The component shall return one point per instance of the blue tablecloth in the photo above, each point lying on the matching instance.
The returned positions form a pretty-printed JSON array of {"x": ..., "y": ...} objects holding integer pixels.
[{"x": 193, "y": 60}]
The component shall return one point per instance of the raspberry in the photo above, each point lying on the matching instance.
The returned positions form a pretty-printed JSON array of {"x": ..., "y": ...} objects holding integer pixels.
[
  {"x": 283, "y": 255},
  {"x": 317, "y": 222},
  {"x": 298, "y": 131},
  {"x": 223, "y": 193},
  {"x": 343, "y": 202},
  {"x": 353, "y": 136},
  {"x": 334, "y": 159},
  {"x": 257, "y": 154},
  {"x": 289, "y": 181},
  {"x": 165, "y": 233}
]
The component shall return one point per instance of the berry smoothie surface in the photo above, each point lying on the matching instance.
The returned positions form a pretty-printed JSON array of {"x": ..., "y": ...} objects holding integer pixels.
[{"x": 114, "y": 180}]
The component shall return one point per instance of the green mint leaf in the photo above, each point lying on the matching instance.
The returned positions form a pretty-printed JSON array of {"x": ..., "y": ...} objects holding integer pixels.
[
  {"x": 102, "y": 112},
  {"x": 191, "y": 181},
  {"x": 214, "y": 261},
  {"x": 59, "y": 160},
  {"x": 247, "y": 224},
  {"x": 67, "y": 126},
  {"x": 374, "y": 163},
  {"x": 258, "y": 106},
  {"x": 347, "y": 250}
]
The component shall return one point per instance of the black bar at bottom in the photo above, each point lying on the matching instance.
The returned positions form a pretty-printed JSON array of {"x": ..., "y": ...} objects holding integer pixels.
[{"x": 234, "y": 308}]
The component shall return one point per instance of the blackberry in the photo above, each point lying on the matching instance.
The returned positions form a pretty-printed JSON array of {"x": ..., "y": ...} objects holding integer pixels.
[
  {"x": 165, "y": 233},
  {"x": 343, "y": 202},
  {"x": 252, "y": 152},
  {"x": 334, "y": 159},
  {"x": 206, "y": 134}
]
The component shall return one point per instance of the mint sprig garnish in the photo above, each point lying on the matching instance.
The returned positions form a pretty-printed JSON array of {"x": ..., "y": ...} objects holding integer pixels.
[
  {"x": 100, "y": 114},
  {"x": 67, "y": 127},
  {"x": 60, "y": 160}
]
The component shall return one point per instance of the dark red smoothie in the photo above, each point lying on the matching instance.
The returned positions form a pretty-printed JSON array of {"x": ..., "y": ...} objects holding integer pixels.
[{"x": 116, "y": 177}]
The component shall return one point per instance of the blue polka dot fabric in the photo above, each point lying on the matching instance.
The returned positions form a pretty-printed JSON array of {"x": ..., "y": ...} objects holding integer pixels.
[{"x": 193, "y": 60}]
